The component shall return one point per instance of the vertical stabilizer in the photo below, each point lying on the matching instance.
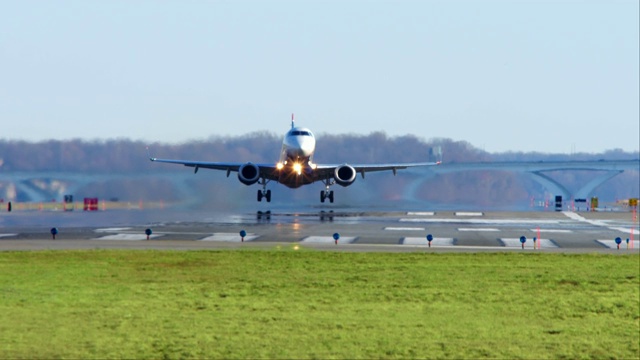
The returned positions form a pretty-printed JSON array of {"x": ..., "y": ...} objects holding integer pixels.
[{"x": 292, "y": 121}]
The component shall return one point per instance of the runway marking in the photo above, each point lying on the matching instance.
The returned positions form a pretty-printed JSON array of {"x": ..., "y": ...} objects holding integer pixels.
[
  {"x": 470, "y": 247},
  {"x": 611, "y": 244},
  {"x": 229, "y": 237},
  {"x": 7, "y": 235},
  {"x": 480, "y": 221},
  {"x": 478, "y": 229},
  {"x": 462, "y": 213},
  {"x": 423, "y": 241},
  {"x": 602, "y": 223},
  {"x": 127, "y": 237},
  {"x": 515, "y": 242},
  {"x": 626, "y": 230},
  {"x": 115, "y": 229},
  {"x": 552, "y": 230},
  {"x": 404, "y": 228},
  {"x": 421, "y": 213},
  {"x": 328, "y": 239}
]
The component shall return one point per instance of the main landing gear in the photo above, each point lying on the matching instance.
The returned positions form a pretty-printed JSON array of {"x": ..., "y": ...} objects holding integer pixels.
[
  {"x": 326, "y": 193},
  {"x": 264, "y": 193}
]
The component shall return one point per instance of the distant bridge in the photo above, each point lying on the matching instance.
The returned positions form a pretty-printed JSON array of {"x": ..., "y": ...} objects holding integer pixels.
[
  {"x": 39, "y": 186},
  {"x": 610, "y": 169}
]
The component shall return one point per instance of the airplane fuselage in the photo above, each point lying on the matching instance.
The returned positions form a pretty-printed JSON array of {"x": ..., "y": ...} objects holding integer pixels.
[{"x": 295, "y": 166}]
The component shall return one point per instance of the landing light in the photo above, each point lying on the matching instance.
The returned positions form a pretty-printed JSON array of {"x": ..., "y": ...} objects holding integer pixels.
[
  {"x": 297, "y": 168},
  {"x": 279, "y": 166}
]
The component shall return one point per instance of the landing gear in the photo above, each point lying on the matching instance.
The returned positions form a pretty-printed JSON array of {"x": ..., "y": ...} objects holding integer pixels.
[
  {"x": 326, "y": 193},
  {"x": 264, "y": 193}
]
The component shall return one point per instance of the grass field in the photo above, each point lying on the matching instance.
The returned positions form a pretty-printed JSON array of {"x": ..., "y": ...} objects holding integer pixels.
[{"x": 283, "y": 303}]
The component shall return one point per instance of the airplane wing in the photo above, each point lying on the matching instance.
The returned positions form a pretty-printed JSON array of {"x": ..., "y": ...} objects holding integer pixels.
[
  {"x": 327, "y": 171},
  {"x": 266, "y": 170},
  {"x": 270, "y": 172}
]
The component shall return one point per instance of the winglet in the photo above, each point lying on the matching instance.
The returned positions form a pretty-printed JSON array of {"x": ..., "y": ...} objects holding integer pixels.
[
  {"x": 437, "y": 153},
  {"x": 149, "y": 155}
]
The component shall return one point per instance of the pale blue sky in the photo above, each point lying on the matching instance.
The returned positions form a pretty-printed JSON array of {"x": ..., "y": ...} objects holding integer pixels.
[{"x": 549, "y": 76}]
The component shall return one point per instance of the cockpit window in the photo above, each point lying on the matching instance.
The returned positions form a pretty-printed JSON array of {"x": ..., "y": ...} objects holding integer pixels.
[{"x": 303, "y": 133}]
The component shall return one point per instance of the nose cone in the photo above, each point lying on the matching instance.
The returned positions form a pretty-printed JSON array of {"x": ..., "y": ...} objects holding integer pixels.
[
  {"x": 307, "y": 145},
  {"x": 300, "y": 143}
]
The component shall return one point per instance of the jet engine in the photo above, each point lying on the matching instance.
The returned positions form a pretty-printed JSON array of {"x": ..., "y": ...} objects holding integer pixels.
[
  {"x": 249, "y": 174},
  {"x": 345, "y": 175}
]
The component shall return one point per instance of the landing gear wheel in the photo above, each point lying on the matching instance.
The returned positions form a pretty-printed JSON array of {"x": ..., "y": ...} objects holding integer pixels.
[
  {"x": 259, "y": 195},
  {"x": 326, "y": 193},
  {"x": 268, "y": 195}
]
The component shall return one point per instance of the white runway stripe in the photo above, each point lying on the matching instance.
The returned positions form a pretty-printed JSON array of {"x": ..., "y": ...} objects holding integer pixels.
[
  {"x": 612, "y": 244},
  {"x": 515, "y": 242},
  {"x": 602, "y": 223},
  {"x": 328, "y": 240},
  {"x": 230, "y": 237},
  {"x": 404, "y": 228},
  {"x": 423, "y": 241},
  {"x": 127, "y": 237},
  {"x": 551, "y": 230},
  {"x": 421, "y": 213},
  {"x": 462, "y": 213},
  {"x": 481, "y": 221},
  {"x": 478, "y": 229},
  {"x": 626, "y": 230},
  {"x": 7, "y": 235},
  {"x": 114, "y": 229}
]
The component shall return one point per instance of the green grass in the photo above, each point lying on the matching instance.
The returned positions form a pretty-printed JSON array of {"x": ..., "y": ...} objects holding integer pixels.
[{"x": 307, "y": 304}]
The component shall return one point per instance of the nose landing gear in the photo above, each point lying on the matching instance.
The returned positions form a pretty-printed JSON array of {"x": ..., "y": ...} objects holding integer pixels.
[
  {"x": 326, "y": 193},
  {"x": 264, "y": 193}
]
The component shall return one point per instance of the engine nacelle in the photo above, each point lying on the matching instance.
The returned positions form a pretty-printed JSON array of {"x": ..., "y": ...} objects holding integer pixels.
[
  {"x": 345, "y": 175},
  {"x": 249, "y": 174}
]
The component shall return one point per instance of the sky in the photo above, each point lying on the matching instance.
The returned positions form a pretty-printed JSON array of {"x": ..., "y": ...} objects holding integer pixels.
[{"x": 545, "y": 76}]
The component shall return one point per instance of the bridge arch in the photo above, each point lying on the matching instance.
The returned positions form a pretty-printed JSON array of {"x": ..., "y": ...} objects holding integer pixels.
[{"x": 537, "y": 170}]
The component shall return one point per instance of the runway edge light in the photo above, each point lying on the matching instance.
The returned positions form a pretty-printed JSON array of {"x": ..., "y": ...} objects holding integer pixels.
[
  {"x": 242, "y": 235},
  {"x": 523, "y": 240},
  {"x": 336, "y": 237},
  {"x": 54, "y": 232},
  {"x": 429, "y": 239},
  {"x": 148, "y": 232}
]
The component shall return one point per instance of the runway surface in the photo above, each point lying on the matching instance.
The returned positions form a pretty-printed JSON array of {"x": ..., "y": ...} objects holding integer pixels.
[{"x": 358, "y": 229}]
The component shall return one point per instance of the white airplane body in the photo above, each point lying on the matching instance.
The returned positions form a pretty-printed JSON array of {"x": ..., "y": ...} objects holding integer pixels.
[{"x": 295, "y": 167}]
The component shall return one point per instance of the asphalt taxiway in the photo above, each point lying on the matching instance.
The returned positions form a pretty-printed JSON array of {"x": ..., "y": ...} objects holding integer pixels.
[{"x": 358, "y": 230}]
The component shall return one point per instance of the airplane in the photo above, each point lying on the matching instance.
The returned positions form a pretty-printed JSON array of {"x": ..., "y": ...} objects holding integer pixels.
[{"x": 295, "y": 167}]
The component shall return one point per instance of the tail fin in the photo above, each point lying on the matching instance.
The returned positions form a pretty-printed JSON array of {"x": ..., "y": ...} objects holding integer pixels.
[{"x": 292, "y": 121}]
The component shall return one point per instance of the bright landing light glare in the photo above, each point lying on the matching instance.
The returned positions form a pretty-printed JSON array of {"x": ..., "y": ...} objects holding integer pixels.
[{"x": 297, "y": 168}]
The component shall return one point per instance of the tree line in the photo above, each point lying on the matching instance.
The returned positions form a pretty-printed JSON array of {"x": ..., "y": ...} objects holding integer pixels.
[{"x": 479, "y": 187}]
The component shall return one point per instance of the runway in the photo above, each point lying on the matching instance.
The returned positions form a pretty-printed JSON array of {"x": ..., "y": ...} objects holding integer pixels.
[{"x": 358, "y": 230}]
